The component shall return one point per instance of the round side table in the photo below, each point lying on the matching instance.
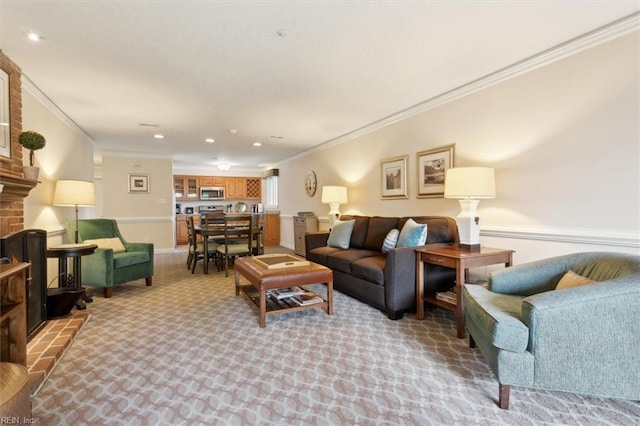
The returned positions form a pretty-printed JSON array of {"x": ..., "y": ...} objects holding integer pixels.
[{"x": 69, "y": 286}]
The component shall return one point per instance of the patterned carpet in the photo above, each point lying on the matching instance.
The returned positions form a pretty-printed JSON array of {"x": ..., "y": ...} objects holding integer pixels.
[{"x": 187, "y": 351}]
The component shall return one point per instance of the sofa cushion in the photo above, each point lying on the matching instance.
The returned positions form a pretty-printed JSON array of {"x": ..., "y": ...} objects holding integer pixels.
[
  {"x": 359, "y": 230},
  {"x": 341, "y": 234},
  {"x": 319, "y": 254},
  {"x": 412, "y": 234},
  {"x": 571, "y": 279},
  {"x": 342, "y": 259},
  {"x": 390, "y": 241},
  {"x": 126, "y": 258},
  {"x": 498, "y": 315},
  {"x": 108, "y": 243},
  {"x": 378, "y": 229},
  {"x": 370, "y": 269}
]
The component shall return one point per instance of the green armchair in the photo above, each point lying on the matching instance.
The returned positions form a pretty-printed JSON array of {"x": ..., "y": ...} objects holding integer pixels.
[
  {"x": 581, "y": 339},
  {"x": 116, "y": 261}
]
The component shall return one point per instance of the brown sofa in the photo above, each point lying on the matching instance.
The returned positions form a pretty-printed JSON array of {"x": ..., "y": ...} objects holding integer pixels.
[{"x": 385, "y": 282}]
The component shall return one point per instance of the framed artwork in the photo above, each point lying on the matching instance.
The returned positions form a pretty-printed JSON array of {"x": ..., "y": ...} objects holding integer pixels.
[
  {"x": 5, "y": 129},
  {"x": 432, "y": 165},
  {"x": 138, "y": 184},
  {"x": 394, "y": 178}
]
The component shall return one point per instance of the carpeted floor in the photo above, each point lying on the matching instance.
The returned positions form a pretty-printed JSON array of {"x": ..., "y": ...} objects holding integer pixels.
[{"x": 187, "y": 351}]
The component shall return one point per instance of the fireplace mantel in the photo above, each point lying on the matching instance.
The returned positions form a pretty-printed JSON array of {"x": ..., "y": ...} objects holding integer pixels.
[{"x": 16, "y": 188}]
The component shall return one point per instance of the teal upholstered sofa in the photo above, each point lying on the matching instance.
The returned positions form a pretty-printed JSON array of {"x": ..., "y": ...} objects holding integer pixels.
[
  {"x": 108, "y": 267},
  {"x": 581, "y": 339}
]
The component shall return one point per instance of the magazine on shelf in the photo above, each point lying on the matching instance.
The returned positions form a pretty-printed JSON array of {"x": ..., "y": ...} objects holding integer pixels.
[
  {"x": 283, "y": 293},
  {"x": 447, "y": 296},
  {"x": 307, "y": 298}
]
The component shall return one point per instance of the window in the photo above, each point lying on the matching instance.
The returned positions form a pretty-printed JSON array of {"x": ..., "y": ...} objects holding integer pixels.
[{"x": 271, "y": 192}]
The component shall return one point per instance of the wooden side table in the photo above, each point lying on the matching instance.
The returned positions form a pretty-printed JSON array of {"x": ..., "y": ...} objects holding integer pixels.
[
  {"x": 451, "y": 256},
  {"x": 74, "y": 251}
]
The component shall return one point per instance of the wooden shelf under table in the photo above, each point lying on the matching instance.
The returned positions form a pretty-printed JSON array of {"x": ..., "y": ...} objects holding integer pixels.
[{"x": 273, "y": 308}]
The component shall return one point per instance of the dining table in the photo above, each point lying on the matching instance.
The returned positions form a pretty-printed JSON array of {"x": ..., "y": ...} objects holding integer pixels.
[{"x": 214, "y": 231}]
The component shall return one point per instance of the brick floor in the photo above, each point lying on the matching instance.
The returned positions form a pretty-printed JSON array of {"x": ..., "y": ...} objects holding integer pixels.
[{"x": 49, "y": 345}]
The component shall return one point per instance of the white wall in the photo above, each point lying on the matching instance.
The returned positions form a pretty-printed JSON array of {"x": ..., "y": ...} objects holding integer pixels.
[
  {"x": 68, "y": 154},
  {"x": 142, "y": 217},
  {"x": 563, "y": 139}
]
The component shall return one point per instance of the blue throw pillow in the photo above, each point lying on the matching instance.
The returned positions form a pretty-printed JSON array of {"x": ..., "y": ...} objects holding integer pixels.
[
  {"x": 341, "y": 234},
  {"x": 390, "y": 241},
  {"x": 412, "y": 234}
]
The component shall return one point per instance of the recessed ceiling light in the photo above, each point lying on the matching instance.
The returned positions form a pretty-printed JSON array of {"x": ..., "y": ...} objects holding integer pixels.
[
  {"x": 233, "y": 131},
  {"x": 224, "y": 166},
  {"x": 281, "y": 33},
  {"x": 33, "y": 36},
  {"x": 209, "y": 140},
  {"x": 276, "y": 137},
  {"x": 257, "y": 144},
  {"x": 158, "y": 136}
]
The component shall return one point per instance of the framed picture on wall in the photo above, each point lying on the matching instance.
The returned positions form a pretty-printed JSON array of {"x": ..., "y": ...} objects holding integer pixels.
[
  {"x": 393, "y": 172},
  {"x": 138, "y": 184},
  {"x": 5, "y": 129},
  {"x": 431, "y": 169}
]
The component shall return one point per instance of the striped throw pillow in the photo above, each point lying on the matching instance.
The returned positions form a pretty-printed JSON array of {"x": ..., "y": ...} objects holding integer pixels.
[{"x": 390, "y": 241}]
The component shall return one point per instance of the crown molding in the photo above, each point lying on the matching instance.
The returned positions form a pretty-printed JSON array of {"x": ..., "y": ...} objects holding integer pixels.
[
  {"x": 611, "y": 31},
  {"x": 34, "y": 90}
]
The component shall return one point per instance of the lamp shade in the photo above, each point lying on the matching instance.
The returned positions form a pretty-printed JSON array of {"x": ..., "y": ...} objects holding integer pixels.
[
  {"x": 74, "y": 193},
  {"x": 334, "y": 194},
  {"x": 470, "y": 182}
]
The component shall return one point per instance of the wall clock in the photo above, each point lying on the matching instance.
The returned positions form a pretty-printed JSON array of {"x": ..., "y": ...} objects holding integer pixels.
[{"x": 310, "y": 183}]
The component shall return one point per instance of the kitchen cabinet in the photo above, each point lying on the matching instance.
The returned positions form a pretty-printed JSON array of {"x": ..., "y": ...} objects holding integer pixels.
[
  {"x": 212, "y": 181},
  {"x": 186, "y": 188},
  {"x": 236, "y": 188},
  {"x": 272, "y": 230},
  {"x": 301, "y": 226},
  {"x": 182, "y": 236}
]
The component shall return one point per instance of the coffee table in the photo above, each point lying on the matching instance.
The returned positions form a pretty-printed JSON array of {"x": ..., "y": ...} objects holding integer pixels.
[{"x": 263, "y": 279}]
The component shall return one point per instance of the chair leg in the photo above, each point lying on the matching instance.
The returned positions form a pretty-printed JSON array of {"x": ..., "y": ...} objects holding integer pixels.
[
  {"x": 503, "y": 400},
  {"x": 108, "y": 292},
  {"x": 189, "y": 260},
  {"x": 193, "y": 265},
  {"x": 148, "y": 281},
  {"x": 472, "y": 343}
]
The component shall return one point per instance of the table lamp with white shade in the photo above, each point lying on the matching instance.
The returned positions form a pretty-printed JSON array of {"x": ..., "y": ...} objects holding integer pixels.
[
  {"x": 334, "y": 196},
  {"x": 469, "y": 185},
  {"x": 76, "y": 193}
]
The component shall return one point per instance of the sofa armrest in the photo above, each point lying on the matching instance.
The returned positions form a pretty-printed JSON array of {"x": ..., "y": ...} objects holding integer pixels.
[
  {"x": 97, "y": 268},
  {"x": 589, "y": 333},
  {"x": 400, "y": 278},
  {"x": 314, "y": 240},
  {"x": 148, "y": 247},
  {"x": 530, "y": 278}
]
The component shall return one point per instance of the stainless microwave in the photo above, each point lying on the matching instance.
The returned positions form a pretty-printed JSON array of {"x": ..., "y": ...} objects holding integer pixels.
[{"x": 212, "y": 193}]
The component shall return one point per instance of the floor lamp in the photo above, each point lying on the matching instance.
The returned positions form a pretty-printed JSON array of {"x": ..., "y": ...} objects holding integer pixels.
[
  {"x": 76, "y": 193},
  {"x": 469, "y": 185}
]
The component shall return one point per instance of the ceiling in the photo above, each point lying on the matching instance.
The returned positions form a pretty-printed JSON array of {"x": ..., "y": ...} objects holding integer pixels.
[{"x": 288, "y": 74}]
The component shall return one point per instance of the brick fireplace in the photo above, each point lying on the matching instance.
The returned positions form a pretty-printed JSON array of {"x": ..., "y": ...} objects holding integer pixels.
[{"x": 16, "y": 188}]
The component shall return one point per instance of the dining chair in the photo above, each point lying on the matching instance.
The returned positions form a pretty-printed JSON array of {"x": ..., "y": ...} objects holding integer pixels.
[
  {"x": 196, "y": 247},
  {"x": 238, "y": 237},
  {"x": 213, "y": 225}
]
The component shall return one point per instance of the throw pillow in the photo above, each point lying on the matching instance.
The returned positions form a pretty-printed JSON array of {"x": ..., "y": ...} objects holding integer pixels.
[
  {"x": 108, "y": 243},
  {"x": 412, "y": 234},
  {"x": 341, "y": 234},
  {"x": 390, "y": 241},
  {"x": 571, "y": 279}
]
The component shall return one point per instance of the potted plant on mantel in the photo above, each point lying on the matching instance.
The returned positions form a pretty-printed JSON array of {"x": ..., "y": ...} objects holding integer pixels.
[{"x": 32, "y": 141}]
